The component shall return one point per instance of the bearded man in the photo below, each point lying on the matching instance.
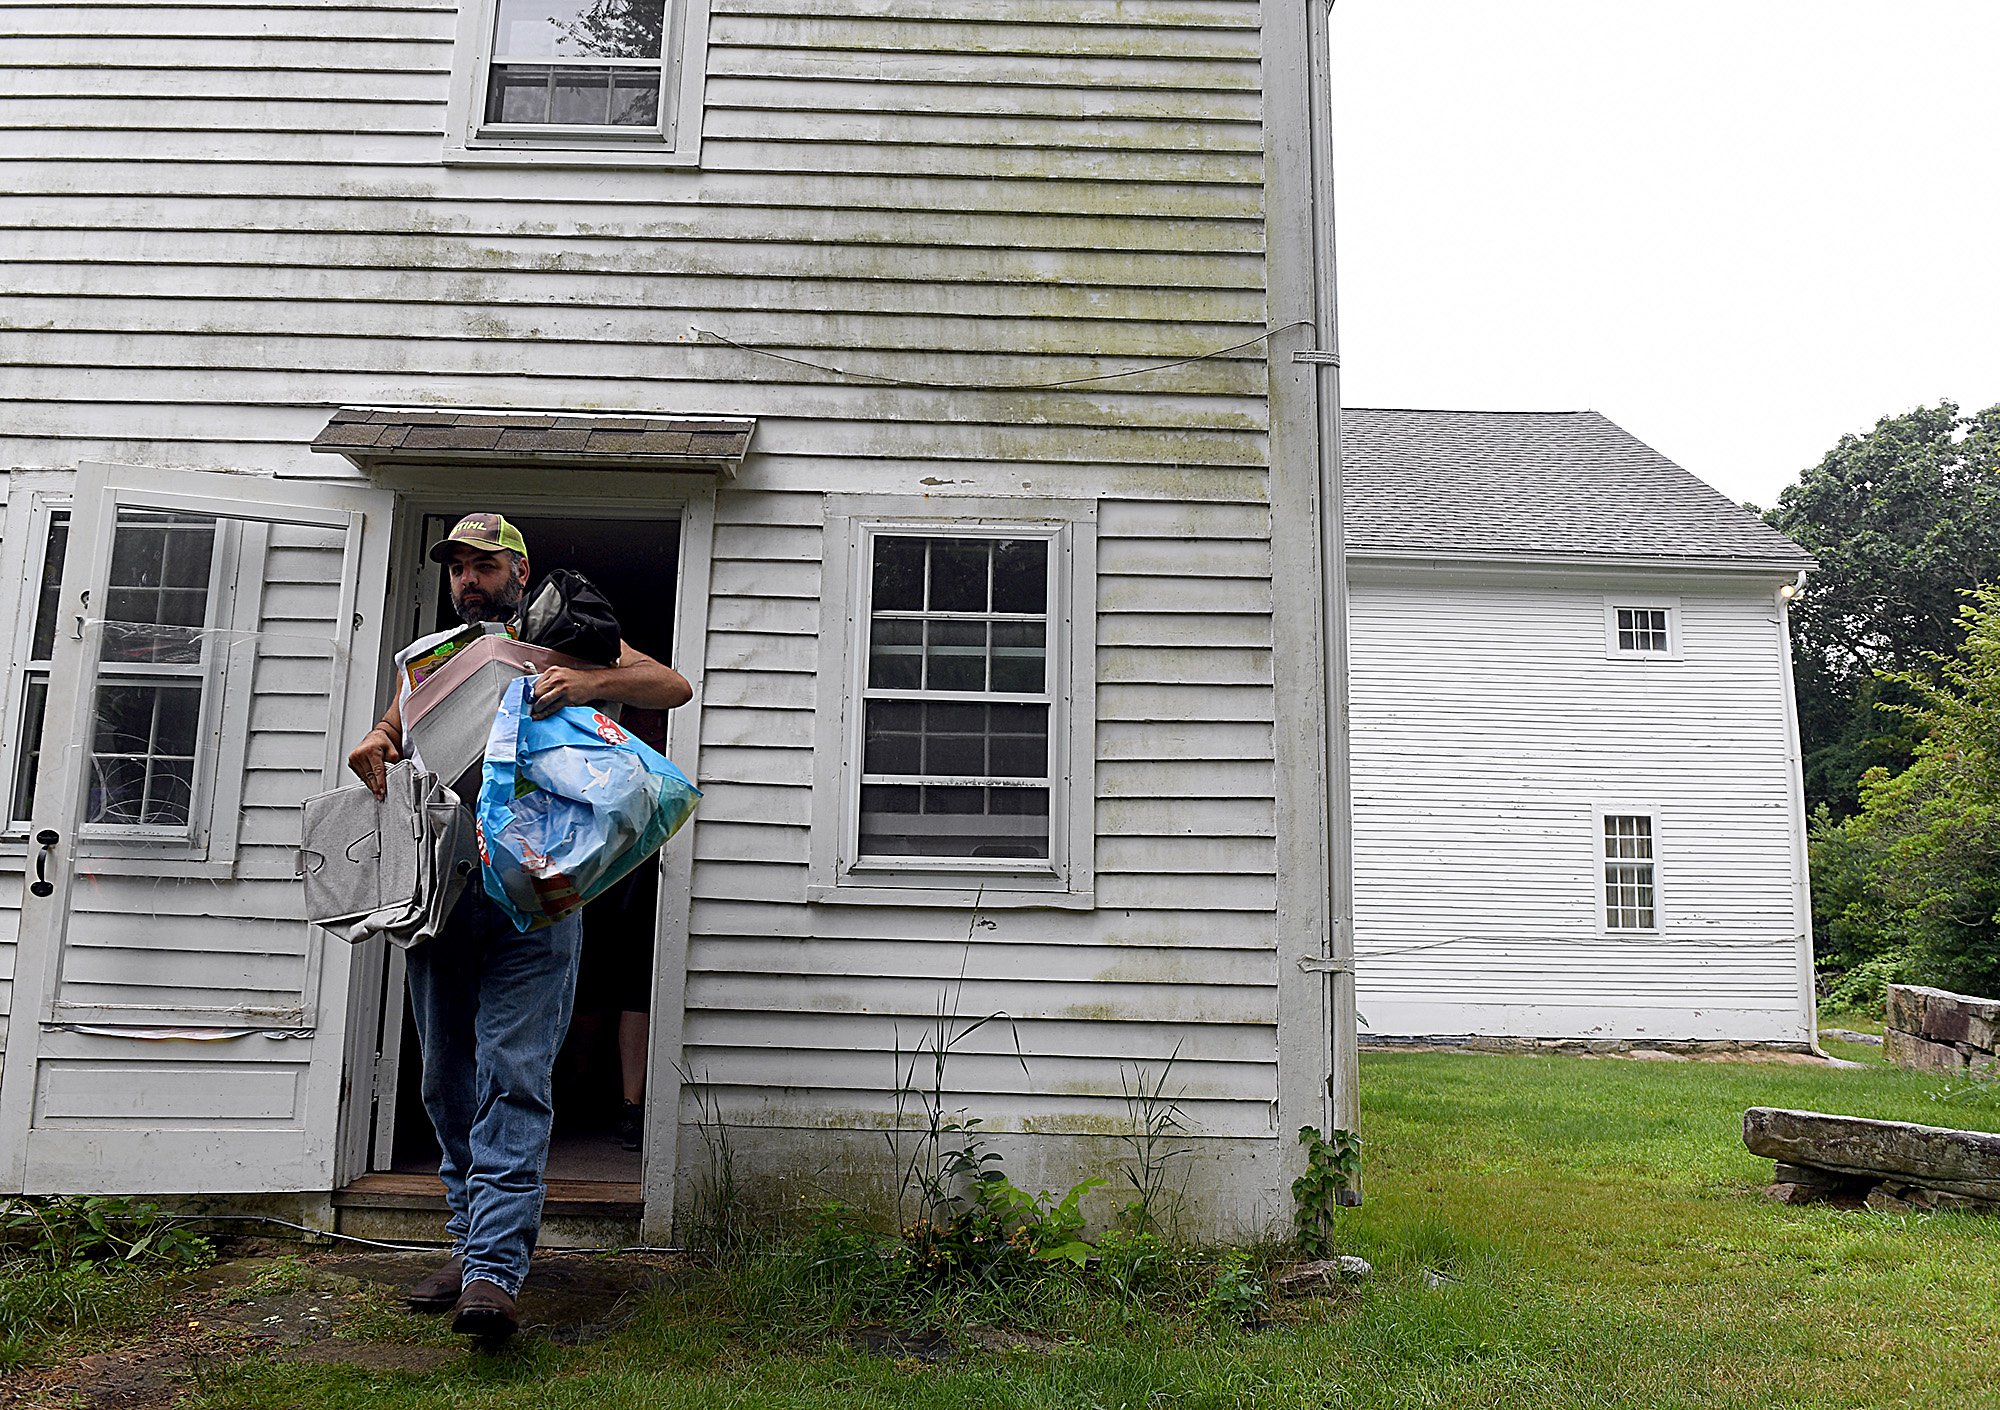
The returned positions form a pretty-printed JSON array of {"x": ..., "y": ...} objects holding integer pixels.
[{"x": 492, "y": 1003}]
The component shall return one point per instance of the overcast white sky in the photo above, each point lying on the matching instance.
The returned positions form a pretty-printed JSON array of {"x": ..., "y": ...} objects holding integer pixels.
[{"x": 1738, "y": 228}]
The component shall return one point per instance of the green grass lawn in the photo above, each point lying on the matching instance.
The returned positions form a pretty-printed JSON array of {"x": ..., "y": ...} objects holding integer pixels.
[{"x": 1546, "y": 1232}]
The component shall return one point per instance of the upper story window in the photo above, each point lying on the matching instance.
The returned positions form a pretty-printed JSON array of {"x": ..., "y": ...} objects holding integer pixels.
[
  {"x": 576, "y": 63},
  {"x": 1642, "y": 628},
  {"x": 590, "y": 82}
]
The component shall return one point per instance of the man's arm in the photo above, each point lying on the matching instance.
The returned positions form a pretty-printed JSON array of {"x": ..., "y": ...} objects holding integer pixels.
[
  {"x": 636, "y": 680},
  {"x": 379, "y": 748}
]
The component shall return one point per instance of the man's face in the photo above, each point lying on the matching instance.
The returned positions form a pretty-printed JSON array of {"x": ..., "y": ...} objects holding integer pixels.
[{"x": 486, "y": 586}]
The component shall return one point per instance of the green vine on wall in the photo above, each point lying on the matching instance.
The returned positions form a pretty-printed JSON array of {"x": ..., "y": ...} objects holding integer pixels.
[{"x": 1333, "y": 1164}]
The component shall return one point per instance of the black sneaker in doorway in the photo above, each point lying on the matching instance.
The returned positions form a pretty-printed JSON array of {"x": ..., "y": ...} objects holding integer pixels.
[{"x": 632, "y": 1126}]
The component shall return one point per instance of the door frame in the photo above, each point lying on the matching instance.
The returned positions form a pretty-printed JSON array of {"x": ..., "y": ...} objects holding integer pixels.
[{"x": 688, "y": 498}]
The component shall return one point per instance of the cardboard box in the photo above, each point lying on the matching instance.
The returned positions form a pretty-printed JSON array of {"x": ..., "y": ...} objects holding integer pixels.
[{"x": 448, "y": 718}]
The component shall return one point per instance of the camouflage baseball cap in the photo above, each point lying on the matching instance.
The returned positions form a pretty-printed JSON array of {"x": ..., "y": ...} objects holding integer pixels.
[{"x": 482, "y": 531}]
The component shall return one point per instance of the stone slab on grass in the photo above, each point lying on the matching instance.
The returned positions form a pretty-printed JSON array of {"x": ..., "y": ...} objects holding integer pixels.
[{"x": 1933, "y": 1157}]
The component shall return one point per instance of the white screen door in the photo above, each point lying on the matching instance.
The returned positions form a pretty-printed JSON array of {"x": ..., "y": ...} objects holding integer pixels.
[{"x": 177, "y": 1024}]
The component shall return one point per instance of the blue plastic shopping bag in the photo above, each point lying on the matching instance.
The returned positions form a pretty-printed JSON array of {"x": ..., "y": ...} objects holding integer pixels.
[{"x": 567, "y": 806}]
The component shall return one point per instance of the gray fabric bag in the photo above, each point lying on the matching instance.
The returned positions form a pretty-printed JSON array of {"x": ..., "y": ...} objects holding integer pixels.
[{"x": 394, "y": 866}]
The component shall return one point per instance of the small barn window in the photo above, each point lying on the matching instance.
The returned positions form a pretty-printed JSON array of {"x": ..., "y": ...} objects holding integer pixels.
[
  {"x": 1629, "y": 891},
  {"x": 1642, "y": 628}
]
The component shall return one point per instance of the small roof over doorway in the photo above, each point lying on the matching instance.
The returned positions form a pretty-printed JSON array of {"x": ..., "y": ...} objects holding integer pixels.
[{"x": 377, "y": 436}]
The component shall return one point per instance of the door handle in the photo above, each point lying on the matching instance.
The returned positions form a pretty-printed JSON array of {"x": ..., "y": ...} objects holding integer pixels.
[{"x": 46, "y": 839}]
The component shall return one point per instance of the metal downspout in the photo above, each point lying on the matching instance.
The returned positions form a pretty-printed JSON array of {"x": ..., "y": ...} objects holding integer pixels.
[
  {"x": 1802, "y": 918},
  {"x": 1343, "y": 1086}
]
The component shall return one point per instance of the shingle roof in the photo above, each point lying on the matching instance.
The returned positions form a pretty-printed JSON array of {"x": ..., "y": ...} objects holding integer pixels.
[
  {"x": 372, "y": 436},
  {"x": 1537, "y": 484}
]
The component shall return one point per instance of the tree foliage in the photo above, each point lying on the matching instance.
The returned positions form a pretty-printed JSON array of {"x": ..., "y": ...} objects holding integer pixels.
[
  {"x": 617, "y": 29},
  {"x": 1904, "y": 521},
  {"x": 1914, "y": 875}
]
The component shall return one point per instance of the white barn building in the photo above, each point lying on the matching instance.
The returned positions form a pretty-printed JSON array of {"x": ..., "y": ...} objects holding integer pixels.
[
  {"x": 947, "y": 388},
  {"x": 1577, "y": 806}
]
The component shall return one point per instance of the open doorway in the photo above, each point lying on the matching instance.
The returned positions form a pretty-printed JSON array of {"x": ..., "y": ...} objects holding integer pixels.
[{"x": 601, "y": 1069}]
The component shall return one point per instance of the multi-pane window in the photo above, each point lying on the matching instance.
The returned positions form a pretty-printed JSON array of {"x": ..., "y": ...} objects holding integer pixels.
[
  {"x": 153, "y": 668},
  {"x": 1643, "y": 629},
  {"x": 1628, "y": 872},
  {"x": 958, "y": 696},
  {"x": 35, "y": 670},
  {"x": 577, "y": 63}
]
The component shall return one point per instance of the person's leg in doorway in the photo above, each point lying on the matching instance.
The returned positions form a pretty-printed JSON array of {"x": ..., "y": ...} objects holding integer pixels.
[
  {"x": 633, "y": 1031},
  {"x": 622, "y": 937},
  {"x": 444, "y": 1001},
  {"x": 526, "y": 989}
]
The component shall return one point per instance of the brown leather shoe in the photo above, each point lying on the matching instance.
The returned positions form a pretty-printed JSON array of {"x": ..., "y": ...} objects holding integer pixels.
[
  {"x": 438, "y": 1292},
  {"x": 485, "y": 1311}
]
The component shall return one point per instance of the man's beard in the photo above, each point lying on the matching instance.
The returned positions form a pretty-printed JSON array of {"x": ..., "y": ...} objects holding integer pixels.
[{"x": 490, "y": 609}]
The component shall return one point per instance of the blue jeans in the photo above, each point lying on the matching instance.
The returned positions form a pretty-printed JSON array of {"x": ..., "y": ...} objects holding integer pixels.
[{"x": 492, "y": 1006}]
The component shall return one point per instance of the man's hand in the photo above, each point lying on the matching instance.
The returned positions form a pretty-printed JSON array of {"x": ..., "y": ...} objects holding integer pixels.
[
  {"x": 370, "y": 760},
  {"x": 565, "y": 685}
]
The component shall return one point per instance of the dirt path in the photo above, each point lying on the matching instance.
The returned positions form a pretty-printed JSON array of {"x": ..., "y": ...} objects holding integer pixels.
[{"x": 328, "y": 1307}]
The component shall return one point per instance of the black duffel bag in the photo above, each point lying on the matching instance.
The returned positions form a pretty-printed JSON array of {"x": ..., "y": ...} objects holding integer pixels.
[{"x": 565, "y": 612}]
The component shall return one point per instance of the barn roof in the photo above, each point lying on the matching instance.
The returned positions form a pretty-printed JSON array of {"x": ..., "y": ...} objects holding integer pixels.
[{"x": 1536, "y": 485}]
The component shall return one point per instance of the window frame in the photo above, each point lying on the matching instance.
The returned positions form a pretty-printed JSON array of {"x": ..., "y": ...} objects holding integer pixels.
[
  {"x": 210, "y": 672},
  {"x": 25, "y": 543},
  {"x": 208, "y": 845},
  {"x": 1628, "y": 808},
  {"x": 674, "y": 141},
  {"x": 836, "y": 873},
  {"x": 1613, "y": 602}
]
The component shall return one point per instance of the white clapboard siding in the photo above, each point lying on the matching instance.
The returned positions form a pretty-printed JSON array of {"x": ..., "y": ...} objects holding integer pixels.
[
  {"x": 803, "y": 1009},
  {"x": 1489, "y": 729},
  {"x": 1004, "y": 195}
]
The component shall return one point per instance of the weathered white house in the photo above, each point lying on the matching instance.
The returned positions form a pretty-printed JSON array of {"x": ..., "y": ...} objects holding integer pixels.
[
  {"x": 946, "y": 386},
  {"x": 1577, "y": 807}
]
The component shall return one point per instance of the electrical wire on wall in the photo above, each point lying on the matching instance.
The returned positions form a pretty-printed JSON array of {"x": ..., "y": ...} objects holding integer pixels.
[{"x": 884, "y": 380}]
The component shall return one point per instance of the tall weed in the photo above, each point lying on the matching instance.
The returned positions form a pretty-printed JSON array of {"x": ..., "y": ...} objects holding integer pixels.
[{"x": 82, "y": 1260}]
